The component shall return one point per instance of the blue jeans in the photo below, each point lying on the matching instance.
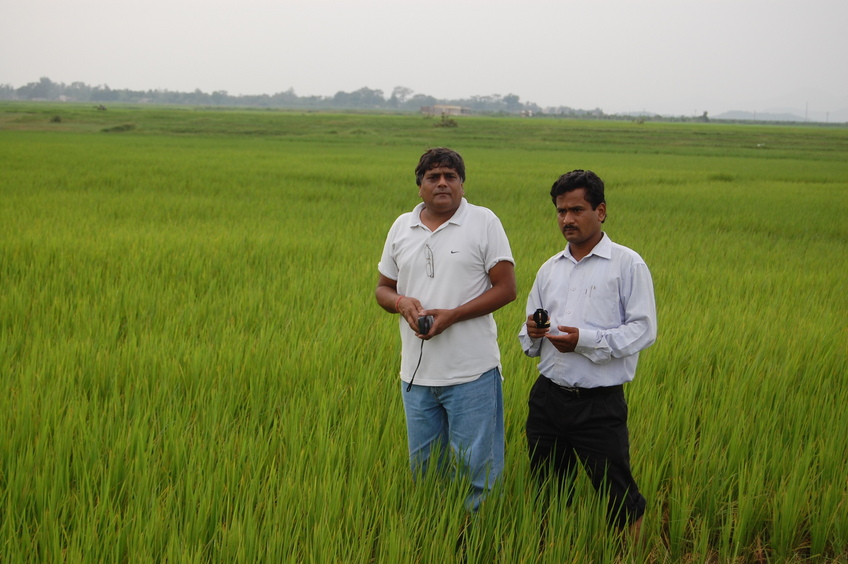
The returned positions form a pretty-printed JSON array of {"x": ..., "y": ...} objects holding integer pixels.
[{"x": 466, "y": 422}]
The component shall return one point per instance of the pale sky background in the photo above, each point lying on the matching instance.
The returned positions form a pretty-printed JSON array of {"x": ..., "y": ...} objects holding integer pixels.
[{"x": 672, "y": 57}]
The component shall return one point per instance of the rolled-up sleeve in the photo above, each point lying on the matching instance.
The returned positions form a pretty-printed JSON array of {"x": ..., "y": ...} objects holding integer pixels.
[
  {"x": 531, "y": 347},
  {"x": 639, "y": 328}
]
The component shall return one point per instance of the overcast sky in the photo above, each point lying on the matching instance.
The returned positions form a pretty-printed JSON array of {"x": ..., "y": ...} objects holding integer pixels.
[{"x": 673, "y": 57}]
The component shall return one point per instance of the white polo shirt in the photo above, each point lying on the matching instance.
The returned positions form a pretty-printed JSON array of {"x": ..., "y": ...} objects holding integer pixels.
[{"x": 464, "y": 249}]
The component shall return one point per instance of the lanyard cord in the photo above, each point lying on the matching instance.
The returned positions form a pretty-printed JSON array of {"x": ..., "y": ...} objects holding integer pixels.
[{"x": 420, "y": 354}]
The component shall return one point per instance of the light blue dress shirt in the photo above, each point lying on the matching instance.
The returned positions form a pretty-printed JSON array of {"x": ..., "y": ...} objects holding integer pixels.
[{"x": 609, "y": 297}]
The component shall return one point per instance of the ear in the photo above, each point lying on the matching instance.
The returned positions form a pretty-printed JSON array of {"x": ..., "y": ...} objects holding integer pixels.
[{"x": 602, "y": 211}]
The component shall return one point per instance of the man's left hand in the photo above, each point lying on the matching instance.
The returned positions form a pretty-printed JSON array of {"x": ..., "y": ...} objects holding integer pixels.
[
  {"x": 442, "y": 319},
  {"x": 566, "y": 340}
]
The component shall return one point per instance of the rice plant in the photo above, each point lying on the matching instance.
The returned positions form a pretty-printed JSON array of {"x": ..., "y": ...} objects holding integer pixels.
[{"x": 195, "y": 369}]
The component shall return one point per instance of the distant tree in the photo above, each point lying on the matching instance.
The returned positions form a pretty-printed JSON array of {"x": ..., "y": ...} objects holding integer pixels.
[
  {"x": 420, "y": 100},
  {"x": 79, "y": 91},
  {"x": 103, "y": 94},
  {"x": 198, "y": 97},
  {"x": 342, "y": 99},
  {"x": 512, "y": 103},
  {"x": 368, "y": 98},
  {"x": 7, "y": 92},
  {"x": 287, "y": 98},
  {"x": 362, "y": 98},
  {"x": 219, "y": 98},
  {"x": 400, "y": 95},
  {"x": 532, "y": 107},
  {"x": 44, "y": 89},
  {"x": 260, "y": 100},
  {"x": 490, "y": 103},
  {"x": 313, "y": 101}
]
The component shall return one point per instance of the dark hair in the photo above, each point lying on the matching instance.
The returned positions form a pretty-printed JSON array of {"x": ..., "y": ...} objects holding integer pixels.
[
  {"x": 440, "y": 156},
  {"x": 577, "y": 179}
]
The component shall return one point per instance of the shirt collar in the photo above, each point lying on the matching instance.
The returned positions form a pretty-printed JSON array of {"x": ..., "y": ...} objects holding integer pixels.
[
  {"x": 457, "y": 218},
  {"x": 603, "y": 249}
]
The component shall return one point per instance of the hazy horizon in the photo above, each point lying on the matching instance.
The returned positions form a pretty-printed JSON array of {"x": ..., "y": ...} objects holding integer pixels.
[{"x": 668, "y": 57}]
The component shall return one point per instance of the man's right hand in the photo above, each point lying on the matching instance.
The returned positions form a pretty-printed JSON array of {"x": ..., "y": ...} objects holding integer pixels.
[
  {"x": 411, "y": 310},
  {"x": 534, "y": 331}
]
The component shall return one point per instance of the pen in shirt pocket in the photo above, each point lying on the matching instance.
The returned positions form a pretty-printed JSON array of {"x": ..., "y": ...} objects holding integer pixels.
[{"x": 589, "y": 291}]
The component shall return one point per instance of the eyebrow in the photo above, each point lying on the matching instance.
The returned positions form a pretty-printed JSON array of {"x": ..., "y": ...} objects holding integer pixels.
[
  {"x": 435, "y": 176},
  {"x": 579, "y": 207}
]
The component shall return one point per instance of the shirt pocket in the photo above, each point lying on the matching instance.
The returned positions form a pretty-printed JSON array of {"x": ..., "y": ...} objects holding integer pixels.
[{"x": 603, "y": 308}]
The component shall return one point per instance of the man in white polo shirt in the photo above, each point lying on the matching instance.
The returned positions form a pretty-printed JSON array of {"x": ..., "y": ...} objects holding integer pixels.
[{"x": 450, "y": 260}]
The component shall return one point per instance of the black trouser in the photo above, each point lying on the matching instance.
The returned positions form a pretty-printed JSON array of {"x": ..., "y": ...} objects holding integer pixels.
[{"x": 589, "y": 425}]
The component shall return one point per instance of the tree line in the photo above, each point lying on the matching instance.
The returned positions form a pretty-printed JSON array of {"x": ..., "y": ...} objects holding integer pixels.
[{"x": 401, "y": 99}]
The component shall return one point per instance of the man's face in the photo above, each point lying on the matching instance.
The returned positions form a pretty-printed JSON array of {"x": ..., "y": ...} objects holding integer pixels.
[
  {"x": 441, "y": 190},
  {"x": 579, "y": 223}
]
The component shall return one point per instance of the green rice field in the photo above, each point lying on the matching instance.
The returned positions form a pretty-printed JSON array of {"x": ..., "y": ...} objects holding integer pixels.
[{"x": 194, "y": 367}]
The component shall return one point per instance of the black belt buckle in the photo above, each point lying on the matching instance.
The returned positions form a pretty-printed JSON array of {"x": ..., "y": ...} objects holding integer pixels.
[
  {"x": 587, "y": 392},
  {"x": 573, "y": 391},
  {"x": 567, "y": 389}
]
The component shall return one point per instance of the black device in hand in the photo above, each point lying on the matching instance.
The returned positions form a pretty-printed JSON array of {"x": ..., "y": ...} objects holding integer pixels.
[
  {"x": 425, "y": 322},
  {"x": 540, "y": 316}
]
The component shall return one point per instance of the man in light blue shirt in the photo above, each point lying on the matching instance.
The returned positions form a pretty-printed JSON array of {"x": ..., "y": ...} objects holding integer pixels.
[{"x": 598, "y": 299}]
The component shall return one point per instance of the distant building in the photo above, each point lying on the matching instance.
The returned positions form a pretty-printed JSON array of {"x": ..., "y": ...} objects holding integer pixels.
[{"x": 445, "y": 111}]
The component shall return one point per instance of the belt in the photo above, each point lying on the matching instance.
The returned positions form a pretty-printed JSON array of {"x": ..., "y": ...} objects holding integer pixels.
[{"x": 586, "y": 392}]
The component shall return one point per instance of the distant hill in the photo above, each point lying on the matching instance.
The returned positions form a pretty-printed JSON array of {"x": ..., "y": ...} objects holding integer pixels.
[
  {"x": 840, "y": 116},
  {"x": 785, "y": 115},
  {"x": 754, "y": 116}
]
